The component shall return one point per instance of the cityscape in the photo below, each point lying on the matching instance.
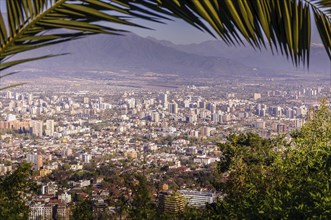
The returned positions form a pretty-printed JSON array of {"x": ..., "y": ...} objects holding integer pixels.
[
  {"x": 77, "y": 141},
  {"x": 165, "y": 110}
]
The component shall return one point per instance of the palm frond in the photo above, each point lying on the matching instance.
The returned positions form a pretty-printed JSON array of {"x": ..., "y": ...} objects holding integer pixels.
[
  {"x": 12, "y": 86},
  {"x": 284, "y": 26},
  {"x": 31, "y": 23},
  {"x": 7, "y": 65},
  {"x": 322, "y": 15}
]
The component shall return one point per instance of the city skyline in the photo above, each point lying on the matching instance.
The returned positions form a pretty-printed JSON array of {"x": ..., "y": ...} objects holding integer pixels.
[{"x": 167, "y": 123}]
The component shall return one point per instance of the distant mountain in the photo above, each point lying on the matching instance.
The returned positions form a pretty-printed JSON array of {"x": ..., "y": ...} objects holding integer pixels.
[
  {"x": 135, "y": 54},
  {"x": 140, "y": 55},
  {"x": 319, "y": 61}
]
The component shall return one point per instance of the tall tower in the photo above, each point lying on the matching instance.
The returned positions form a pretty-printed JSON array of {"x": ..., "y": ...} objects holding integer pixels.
[
  {"x": 36, "y": 160},
  {"x": 37, "y": 128},
  {"x": 49, "y": 127},
  {"x": 173, "y": 108},
  {"x": 39, "y": 161},
  {"x": 155, "y": 117},
  {"x": 164, "y": 99}
]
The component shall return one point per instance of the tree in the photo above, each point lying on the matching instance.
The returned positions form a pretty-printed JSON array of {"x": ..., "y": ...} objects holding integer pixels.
[
  {"x": 14, "y": 189},
  {"x": 141, "y": 207},
  {"x": 283, "y": 25},
  {"x": 289, "y": 182},
  {"x": 83, "y": 210}
]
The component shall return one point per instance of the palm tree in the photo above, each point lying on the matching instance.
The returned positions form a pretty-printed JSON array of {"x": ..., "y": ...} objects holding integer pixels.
[{"x": 282, "y": 25}]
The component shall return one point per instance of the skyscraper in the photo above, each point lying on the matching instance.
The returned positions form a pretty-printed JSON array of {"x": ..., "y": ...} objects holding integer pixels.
[
  {"x": 164, "y": 99},
  {"x": 202, "y": 104},
  {"x": 36, "y": 160},
  {"x": 173, "y": 108},
  {"x": 155, "y": 117},
  {"x": 49, "y": 127},
  {"x": 37, "y": 128},
  {"x": 205, "y": 131}
]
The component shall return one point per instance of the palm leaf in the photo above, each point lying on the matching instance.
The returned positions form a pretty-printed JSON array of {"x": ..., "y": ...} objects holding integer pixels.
[
  {"x": 322, "y": 15},
  {"x": 12, "y": 86},
  {"x": 283, "y": 25},
  {"x": 32, "y": 24},
  {"x": 6, "y": 65}
]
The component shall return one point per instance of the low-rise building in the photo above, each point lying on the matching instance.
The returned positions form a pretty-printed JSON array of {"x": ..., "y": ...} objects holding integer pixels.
[{"x": 198, "y": 199}]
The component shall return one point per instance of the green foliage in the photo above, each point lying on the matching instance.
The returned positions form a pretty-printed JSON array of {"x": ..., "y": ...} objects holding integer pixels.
[
  {"x": 255, "y": 149},
  {"x": 317, "y": 132},
  {"x": 13, "y": 190},
  {"x": 141, "y": 206},
  {"x": 83, "y": 210},
  {"x": 268, "y": 179}
]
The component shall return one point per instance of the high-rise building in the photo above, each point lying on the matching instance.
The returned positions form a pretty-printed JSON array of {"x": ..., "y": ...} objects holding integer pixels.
[
  {"x": 37, "y": 128},
  {"x": 86, "y": 157},
  {"x": 215, "y": 118},
  {"x": 164, "y": 99},
  {"x": 9, "y": 95},
  {"x": 202, "y": 104},
  {"x": 155, "y": 117},
  {"x": 30, "y": 98},
  {"x": 220, "y": 118},
  {"x": 173, "y": 108},
  {"x": 186, "y": 103},
  {"x": 49, "y": 127},
  {"x": 39, "y": 162},
  {"x": 211, "y": 107},
  {"x": 36, "y": 160},
  {"x": 131, "y": 103},
  {"x": 205, "y": 131},
  {"x": 18, "y": 96}
]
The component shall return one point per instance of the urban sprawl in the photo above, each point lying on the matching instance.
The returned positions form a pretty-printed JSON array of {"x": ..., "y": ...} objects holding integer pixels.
[{"x": 83, "y": 143}]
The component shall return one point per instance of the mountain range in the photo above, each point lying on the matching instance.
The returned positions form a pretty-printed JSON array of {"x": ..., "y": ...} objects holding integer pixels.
[
  {"x": 319, "y": 61},
  {"x": 140, "y": 55}
]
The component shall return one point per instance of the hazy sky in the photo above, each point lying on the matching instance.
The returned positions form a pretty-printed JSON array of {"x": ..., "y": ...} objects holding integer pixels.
[
  {"x": 176, "y": 31},
  {"x": 180, "y": 32}
]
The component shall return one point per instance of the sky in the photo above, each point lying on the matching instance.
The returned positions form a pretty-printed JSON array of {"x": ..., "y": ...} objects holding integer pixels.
[{"x": 175, "y": 31}]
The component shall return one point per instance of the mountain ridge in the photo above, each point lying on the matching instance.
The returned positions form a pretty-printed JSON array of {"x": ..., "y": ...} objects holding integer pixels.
[
  {"x": 248, "y": 56},
  {"x": 140, "y": 55},
  {"x": 134, "y": 53}
]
